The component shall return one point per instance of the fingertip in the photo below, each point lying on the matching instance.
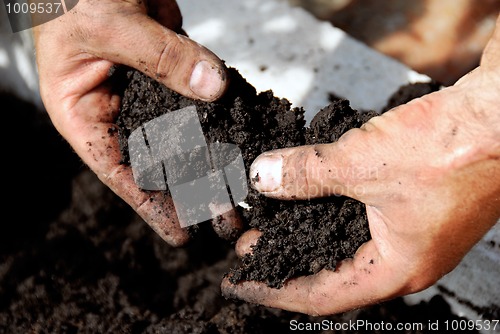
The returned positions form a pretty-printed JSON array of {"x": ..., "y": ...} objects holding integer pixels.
[
  {"x": 228, "y": 226},
  {"x": 266, "y": 172},
  {"x": 158, "y": 212},
  {"x": 208, "y": 80},
  {"x": 169, "y": 230},
  {"x": 227, "y": 288},
  {"x": 246, "y": 242}
]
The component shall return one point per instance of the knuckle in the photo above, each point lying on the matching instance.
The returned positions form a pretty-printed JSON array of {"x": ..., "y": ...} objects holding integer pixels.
[{"x": 170, "y": 57}]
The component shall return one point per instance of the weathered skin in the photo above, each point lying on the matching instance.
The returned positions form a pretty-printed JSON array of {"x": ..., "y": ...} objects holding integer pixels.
[
  {"x": 431, "y": 185},
  {"x": 74, "y": 55}
]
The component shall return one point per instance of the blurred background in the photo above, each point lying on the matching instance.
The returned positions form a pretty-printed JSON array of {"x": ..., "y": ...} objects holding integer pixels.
[{"x": 441, "y": 38}]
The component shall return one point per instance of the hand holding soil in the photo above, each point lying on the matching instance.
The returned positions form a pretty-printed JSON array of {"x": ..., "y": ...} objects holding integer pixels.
[
  {"x": 431, "y": 193},
  {"x": 75, "y": 54}
]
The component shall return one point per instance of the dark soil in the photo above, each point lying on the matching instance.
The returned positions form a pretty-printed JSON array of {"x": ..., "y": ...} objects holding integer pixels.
[
  {"x": 74, "y": 258},
  {"x": 299, "y": 237},
  {"x": 408, "y": 92}
]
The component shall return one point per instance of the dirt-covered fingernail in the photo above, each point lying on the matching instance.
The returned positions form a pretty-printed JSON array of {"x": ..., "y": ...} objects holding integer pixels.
[
  {"x": 207, "y": 80},
  {"x": 266, "y": 172}
]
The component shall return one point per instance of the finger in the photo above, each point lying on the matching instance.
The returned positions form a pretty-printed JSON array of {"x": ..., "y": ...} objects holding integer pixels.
[
  {"x": 246, "y": 242},
  {"x": 228, "y": 225},
  {"x": 90, "y": 130},
  {"x": 174, "y": 60},
  {"x": 307, "y": 172},
  {"x": 360, "y": 282}
]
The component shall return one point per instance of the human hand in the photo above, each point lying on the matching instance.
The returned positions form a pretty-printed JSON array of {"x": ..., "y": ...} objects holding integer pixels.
[
  {"x": 75, "y": 53},
  {"x": 432, "y": 192}
]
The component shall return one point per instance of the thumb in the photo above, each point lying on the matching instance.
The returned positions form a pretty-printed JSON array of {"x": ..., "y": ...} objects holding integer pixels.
[
  {"x": 173, "y": 59},
  {"x": 305, "y": 172}
]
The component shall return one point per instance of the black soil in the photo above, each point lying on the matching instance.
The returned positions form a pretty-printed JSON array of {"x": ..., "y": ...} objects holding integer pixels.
[
  {"x": 299, "y": 237},
  {"x": 75, "y": 259},
  {"x": 408, "y": 92}
]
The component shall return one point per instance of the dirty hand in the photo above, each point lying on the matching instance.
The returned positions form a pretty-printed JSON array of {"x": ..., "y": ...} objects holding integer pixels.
[
  {"x": 74, "y": 55},
  {"x": 429, "y": 174}
]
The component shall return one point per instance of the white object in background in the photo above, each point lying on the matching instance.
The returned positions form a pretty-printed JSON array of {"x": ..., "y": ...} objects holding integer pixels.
[
  {"x": 275, "y": 46},
  {"x": 18, "y": 71}
]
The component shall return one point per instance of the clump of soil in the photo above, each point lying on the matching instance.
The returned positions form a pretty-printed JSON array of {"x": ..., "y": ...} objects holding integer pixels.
[
  {"x": 299, "y": 237},
  {"x": 408, "y": 92}
]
